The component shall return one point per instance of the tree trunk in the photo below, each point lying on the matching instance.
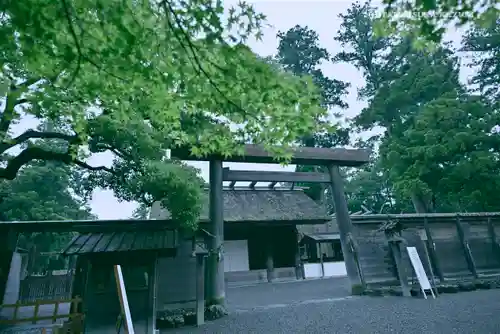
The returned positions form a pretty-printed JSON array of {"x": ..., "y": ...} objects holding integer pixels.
[{"x": 419, "y": 203}]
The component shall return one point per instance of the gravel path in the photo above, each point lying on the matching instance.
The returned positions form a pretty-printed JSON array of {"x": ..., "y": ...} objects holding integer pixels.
[
  {"x": 270, "y": 295},
  {"x": 468, "y": 312}
]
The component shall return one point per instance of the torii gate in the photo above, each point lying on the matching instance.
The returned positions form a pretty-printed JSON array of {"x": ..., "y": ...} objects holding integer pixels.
[{"x": 331, "y": 158}]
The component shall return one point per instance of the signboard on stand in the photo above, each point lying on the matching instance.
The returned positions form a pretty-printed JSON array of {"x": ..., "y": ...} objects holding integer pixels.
[
  {"x": 419, "y": 270},
  {"x": 122, "y": 294}
]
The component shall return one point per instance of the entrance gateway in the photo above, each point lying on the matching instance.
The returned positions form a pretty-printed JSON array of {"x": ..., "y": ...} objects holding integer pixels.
[{"x": 330, "y": 158}]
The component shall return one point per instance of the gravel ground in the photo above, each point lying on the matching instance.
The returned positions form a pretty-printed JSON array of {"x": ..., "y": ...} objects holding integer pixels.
[
  {"x": 272, "y": 295},
  {"x": 317, "y": 311}
]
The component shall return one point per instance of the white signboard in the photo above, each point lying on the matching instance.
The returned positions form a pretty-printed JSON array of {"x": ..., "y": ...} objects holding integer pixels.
[
  {"x": 419, "y": 268},
  {"x": 122, "y": 294}
]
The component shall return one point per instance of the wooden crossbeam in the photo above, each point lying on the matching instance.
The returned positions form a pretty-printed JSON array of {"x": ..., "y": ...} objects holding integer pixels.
[
  {"x": 300, "y": 155},
  {"x": 265, "y": 176},
  {"x": 85, "y": 226}
]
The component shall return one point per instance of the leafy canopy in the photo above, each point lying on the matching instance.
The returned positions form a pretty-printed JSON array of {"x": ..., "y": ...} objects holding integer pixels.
[
  {"x": 483, "y": 44},
  {"x": 427, "y": 20},
  {"x": 136, "y": 78}
]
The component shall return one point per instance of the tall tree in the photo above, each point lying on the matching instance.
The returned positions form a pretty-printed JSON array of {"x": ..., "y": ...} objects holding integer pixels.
[
  {"x": 427, "y": 20},
  {"x": 370, "y": 54},
  {"x": 362, "y": 48},
  {"x": 454, "y": 152},
  {"x": 434, "y": 130},
  {"x": 300, "y": 53},
  {"x": 136, "y": 78},
  {"x": 370, "y": 190},
  {"x": 483, "y": 42}
]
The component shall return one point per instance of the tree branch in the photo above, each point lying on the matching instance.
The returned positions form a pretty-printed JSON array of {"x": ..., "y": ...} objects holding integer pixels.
[
  {"x": 106, "y": 147},
  {"x": 33, "y": 134},
  {"x": 81, "y": 56},
  {"x": 25, "y": 84},
  {"x": 194, "y": 59},
  {"x": 14, "y": 99},
  {"x": 9, "y": 113},
  {"x": 36, "y": 153}
]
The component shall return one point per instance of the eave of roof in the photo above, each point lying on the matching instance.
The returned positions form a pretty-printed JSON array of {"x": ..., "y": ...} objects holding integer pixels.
[{"x": 121, "y": 242}]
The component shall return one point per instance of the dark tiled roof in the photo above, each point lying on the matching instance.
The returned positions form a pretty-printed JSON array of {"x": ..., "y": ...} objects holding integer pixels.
[
  {"x": 121, "y": 242},
  {"x": 261, "y": 206}
]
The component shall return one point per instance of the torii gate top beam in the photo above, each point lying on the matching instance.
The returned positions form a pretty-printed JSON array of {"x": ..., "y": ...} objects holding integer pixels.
[{"x": 300, "y": 156}]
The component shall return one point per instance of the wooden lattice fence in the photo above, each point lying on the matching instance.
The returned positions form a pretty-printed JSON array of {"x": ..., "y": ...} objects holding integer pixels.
[{"x": 46, "y": 287}]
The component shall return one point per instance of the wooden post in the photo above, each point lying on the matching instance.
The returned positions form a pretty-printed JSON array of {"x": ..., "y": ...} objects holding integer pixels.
[
  {"x": 48, "y": 284},
  {"x": 152, "y": 279},
  {"x": 200, "y": 289},
  {"x": 397, "y": 256},
  {"x": 8, "y": 243},
  {"x": 30, "y": 266},
  {"x": 432, "y": 251},
  {"x": 495, "y": 247},
  {"x": 79, "y": 283},
  {"x": 269, "y": 263},
  {"x": 216, "y": 259},
  {"x": 465, "y": 245},
  {"x": 298, "y": 265},
  {"x": 321, "y": 260},
  {"x": 345, "y": 227},
  {"x": 268, "y": 242},
  {"x": 429, "y": 263},
  {"x": 70, "y": 275}
]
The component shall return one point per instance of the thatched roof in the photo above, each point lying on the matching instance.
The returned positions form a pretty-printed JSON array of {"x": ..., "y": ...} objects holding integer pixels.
[{"x": 261, "y": 205}]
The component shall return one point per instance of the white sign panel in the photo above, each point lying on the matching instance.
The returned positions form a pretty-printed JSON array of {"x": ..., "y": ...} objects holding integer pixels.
[
  {"x": 419, "y": 268},
  {"x": 122, "y": 294}
]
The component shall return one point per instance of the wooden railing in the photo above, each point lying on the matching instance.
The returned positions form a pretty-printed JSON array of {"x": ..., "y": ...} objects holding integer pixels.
[{"x": 15, "y": 320}]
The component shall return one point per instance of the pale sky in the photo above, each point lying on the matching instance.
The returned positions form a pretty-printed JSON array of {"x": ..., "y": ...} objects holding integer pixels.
[{"x": 321, "y": 16}]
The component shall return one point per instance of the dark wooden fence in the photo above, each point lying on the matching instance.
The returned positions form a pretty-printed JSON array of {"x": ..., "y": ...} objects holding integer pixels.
[
  {"x": 454, "y": 246},
  {"x": 46, "y": 287}
]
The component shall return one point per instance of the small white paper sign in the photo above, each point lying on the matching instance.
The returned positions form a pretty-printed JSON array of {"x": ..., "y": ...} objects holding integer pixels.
[{"x": 419, "y": 268}]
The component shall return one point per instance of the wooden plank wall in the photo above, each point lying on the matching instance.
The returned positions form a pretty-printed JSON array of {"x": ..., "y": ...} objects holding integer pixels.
[
  {"x": 177, "y": 279},
  {"x": 465, "y": 246},
  {"x": 373, "y": 252}
]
